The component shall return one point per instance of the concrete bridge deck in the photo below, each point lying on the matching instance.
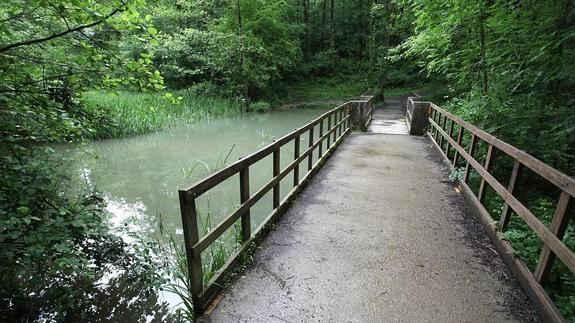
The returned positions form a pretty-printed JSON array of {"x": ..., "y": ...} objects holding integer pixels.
[{"x": 379, "y": 235}]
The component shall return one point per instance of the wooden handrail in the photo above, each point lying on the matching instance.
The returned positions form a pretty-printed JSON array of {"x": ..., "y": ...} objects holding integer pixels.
[
  {"x": 210, "y": 181},
  {"x": 554, "y": 176},
  {"x": 220, "y": 228},
  {"x": 196, "y": 244},
  {"x": 553, "y": 246}
]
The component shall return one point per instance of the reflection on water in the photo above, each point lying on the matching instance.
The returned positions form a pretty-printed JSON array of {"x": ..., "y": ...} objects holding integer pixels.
[{"x": 139, "y": 177}]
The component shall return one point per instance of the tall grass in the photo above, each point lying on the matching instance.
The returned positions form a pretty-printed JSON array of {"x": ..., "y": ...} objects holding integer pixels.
[
  {"x": 213, "y": 258},
  {"x": 130, "y": 113}
]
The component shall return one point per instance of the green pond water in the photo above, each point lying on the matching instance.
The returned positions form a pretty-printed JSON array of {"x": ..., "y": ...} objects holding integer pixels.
[{"x": 139, "y": 177}]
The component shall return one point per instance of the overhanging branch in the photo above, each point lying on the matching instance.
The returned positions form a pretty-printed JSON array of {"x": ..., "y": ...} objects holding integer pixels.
[{"x": 60, "y": 34}]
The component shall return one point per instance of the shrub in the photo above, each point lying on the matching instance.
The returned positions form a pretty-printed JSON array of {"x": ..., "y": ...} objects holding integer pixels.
[{"x": 259, "y": 106}]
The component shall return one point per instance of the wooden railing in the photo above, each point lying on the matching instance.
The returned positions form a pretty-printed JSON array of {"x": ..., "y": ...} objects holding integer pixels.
[
  {"x": 337, "y": 124},
  {"x": 447, "y": 132}
]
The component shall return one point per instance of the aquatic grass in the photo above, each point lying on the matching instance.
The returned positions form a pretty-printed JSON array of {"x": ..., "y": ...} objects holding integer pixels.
[
  {"x": 176, "y": 264},
  {"x": 133, "y": 113},
  {"x": 213, "y": 258}
]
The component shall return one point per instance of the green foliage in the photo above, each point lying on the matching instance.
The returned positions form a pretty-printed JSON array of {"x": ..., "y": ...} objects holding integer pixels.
[
  {"x": 509, "y": 69},
  {"x": 131, "y": 113},
  {"x": 505, "y": 64},
  {"x": 528, "y": 245},
  {"x": 55, "y": 244},
  {"x": 332, "y": 88},
  {"x": 260, "y": 106},
  {"x": 51, "y": 51},
  {"x": 457, "y": 175},
  {"x": 210, "y": 46}
]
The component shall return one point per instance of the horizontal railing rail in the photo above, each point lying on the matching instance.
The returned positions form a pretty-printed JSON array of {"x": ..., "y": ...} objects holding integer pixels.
[
  {"x": 338, "y": 122},
  {"x": 447, "y": 132}
]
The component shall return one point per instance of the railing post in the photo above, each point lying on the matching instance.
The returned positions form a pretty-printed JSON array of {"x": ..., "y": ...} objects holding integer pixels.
[
  {"x": 450, "y": 136},
  {"x": 191, "y": 237},
  {"x": 472, "y": 146},
  {"x": 487, "y": 166},
  {"x": 558, "y": 226},
  {"x": 349, "y": 123},
  {"x": 442, "y": 126},
  {"x": 459, "y": 139},
  {"x": 296, "y": 156},
  {"x": 506, "y": 212},
  {"x": 310, "y": 158},
  {"x": 436, "y": 115},
  {"x": 329, "y": 134},
  {"x": 334, "y": 133},
  {"x": 341, "y": 126},
  {"x": 244, "y": 196},
  {"x": 276, "y": 172},
  {"x": 320, "y": 152}
]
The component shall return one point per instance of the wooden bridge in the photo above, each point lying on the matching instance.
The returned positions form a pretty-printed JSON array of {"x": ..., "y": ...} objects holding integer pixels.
[{"x": 380, "y": 234}]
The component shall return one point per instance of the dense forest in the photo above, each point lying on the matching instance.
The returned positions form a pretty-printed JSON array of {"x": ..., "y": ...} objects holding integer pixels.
[{"x": 74, "y": 71}]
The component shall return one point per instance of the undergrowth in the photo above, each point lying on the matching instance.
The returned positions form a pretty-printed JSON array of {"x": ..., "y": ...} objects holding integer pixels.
[{"x": 528, "y": 246}]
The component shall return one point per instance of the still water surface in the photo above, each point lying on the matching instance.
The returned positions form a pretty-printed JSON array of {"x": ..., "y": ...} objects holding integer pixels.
[{"x": 140, "y": 176}]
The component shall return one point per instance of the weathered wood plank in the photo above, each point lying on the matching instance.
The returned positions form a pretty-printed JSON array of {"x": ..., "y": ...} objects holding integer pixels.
[
  {"x": 563, "y": 213},
  {"x": 554, "y": 176},
  {"x": 548, "y": 237},
  {"x": 459, "y": 140},
  {"x": 535, "y": 291},
  {"x": 472, "y": 147},
  {"x": 191, "y": 237},
  {"x": 244, "y": 196},
  {"x": 276, "y": 172},
  {"x": 310, "y": 145},
  {"x": 487, "y": 166},
  {"x": 451, "y": 136},
  {"x": 328, "y": 137},
  {"x": 320, "y": 148},
  {"x": 512, "y": 186},
  {"x": 295, "y": 157},
  {"x": 225, "y": 224}
]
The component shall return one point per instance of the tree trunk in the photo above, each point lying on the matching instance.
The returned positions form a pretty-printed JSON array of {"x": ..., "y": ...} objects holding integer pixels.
[
  {"x": 387, "y": 23},
  {"x": 561, "y": 24},
  {"x": 306, "y": 23},
  {"x": 484, "y": 81},
  {"x": 242, "y": 59},
  {"x": 483, "y": 60},
  {"x": 332, "y": 27},
  {"x": 324, "y": 13},
  {"x": 361, "y": 28}
]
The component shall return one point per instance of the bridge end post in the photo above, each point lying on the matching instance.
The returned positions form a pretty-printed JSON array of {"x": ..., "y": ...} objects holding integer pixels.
[
  {"x": 417, "y": 116},
  {"x": 360, "y": 114}
]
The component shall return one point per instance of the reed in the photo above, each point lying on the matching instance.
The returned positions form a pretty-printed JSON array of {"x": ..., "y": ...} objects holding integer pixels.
[{"x": 131, "y": 113}]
